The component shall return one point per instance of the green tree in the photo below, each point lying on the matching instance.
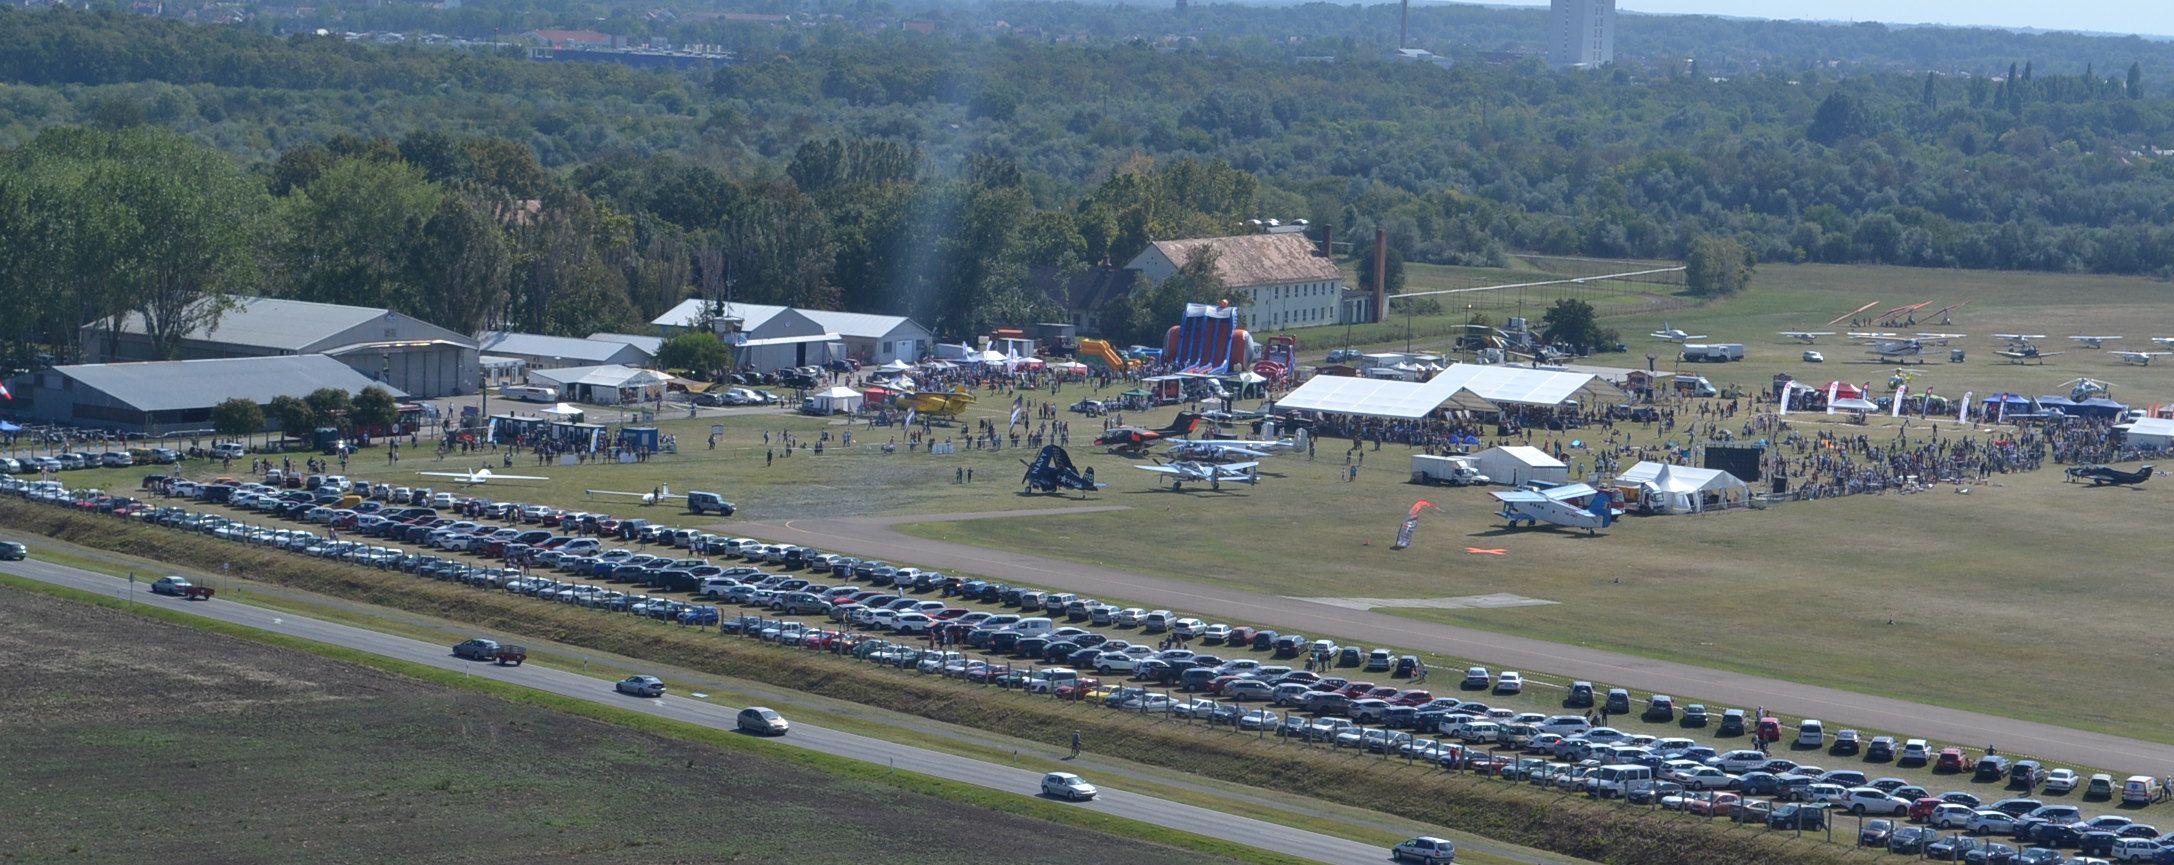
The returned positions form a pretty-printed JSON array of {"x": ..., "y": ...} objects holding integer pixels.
[
  {"x": 294, "y": 416},
  {"x": 1570, "y": 321},
  {"x": 331, "y": 407},
  {"x": 353, "y": 234},
  {"x": 1840, "y": 116},
  {"x": 237, "y": 418},
  {"x": 463, "y": 263},
  {"x": 2136, "y": 81},
  {"x": 1718, "y": 266},
  {"x": 374, "y": 407},
  {"x": 701, "y": 351}
]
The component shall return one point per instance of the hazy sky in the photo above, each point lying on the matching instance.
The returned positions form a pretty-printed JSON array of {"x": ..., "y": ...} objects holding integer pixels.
[{"x": 2108, "y": 16}]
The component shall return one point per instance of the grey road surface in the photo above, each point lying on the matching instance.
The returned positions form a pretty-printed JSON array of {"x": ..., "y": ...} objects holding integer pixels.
[
  {"x": 877, "y": 537},
  {"x": 1146, "y": 809}
]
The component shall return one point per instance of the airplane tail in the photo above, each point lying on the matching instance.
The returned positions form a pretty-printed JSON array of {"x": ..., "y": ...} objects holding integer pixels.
[
  {"x": 1183, "y": 426},
  {"x": 1601, "y": 508}
]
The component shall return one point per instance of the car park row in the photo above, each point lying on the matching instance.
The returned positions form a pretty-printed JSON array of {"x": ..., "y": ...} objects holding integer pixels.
[{"x": 1046, "y": 656}]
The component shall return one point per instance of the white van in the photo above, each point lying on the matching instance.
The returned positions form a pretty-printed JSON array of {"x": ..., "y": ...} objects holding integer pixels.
[
  {"x": 1621, "y": 779},
  {"x": 1811, "y": 734},
  {"x": 1038, "y": 626},
  {"x": 2138, "y": 790}
]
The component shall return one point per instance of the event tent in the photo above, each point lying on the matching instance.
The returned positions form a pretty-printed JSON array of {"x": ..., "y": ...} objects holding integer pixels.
[
  {"x": 1374, "y": 397},
  {"x": 835, "y": 400},
  {"x": 564, "y": 412},
  {"x": 2150, "y": 432},
  {"x": 1670, "y": 489},
  {"x": 1516, "y": 464}
]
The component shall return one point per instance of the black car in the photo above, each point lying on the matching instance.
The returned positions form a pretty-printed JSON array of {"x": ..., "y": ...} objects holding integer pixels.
[
  {"x": 11, "y": 551},
  {"x": 1032, "y": 646},
  {"x": 1084, "y": 658},
  {"x": 1910, "y": 839},
  {"x": 1694, "y": 715},
  {"x": 1798, "y": 815},
  {"x": 1732, "y": 723},
  {"x": 1264, "y": 640},
  {"x": 1991, "y": 853},
  {"x": 1990, "y": 768},
  {"x": 1880, "y": 750},
  {"x": 2097, "y": 842},
  {"x": 1003, "y": 642},
  {"x": 1875, "y": 833},
  {"x": 1952, "y": 848}
]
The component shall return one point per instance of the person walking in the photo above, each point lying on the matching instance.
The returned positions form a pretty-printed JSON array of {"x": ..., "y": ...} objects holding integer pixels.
[{"x": 1075, "y": 743}]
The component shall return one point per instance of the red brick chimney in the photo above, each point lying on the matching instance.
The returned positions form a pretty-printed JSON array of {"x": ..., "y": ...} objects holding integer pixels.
[{"x": 1381, "y": 275}]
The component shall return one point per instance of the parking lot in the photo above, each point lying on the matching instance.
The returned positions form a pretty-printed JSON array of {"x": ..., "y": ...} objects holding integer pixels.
[{"x": 1027, "y": 642}]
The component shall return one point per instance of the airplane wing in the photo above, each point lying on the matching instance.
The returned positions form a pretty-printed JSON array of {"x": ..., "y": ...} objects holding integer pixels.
[
  {"x": 466, "y": 476},
  {"x": 1161, "y": 470},
  {"x": 499, "y": 477},
  {"x": 1236, "y": 468},
  {"x": 1567, "y": 492},
  {"x": 1515, "y": 497}
]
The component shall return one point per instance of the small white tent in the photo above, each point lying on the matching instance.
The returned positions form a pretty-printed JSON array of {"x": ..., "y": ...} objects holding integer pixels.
[
  {"x": 835, "y": 400},
  {"x": 1668, "y": 489},
  {"x": 1516, "y": 464},
  {"x": 2150, "y": 432}
]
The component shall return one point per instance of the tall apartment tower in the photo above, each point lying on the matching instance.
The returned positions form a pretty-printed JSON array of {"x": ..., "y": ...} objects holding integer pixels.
[{"x": 1581, "y": 33}]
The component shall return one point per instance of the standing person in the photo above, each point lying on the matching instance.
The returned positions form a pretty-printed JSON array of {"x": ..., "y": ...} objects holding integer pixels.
[{"x": 1075, "y": 743}]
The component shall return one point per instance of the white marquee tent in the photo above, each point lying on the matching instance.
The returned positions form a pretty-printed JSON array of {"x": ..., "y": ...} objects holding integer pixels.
[
  {"x": 1671, "y": 489},
  {"x": 1471, "y": 387},
  {"x": 1516, "y": 464},
  {"x": 2149, "y": 432},
  {"x": 837, "y": 399}
]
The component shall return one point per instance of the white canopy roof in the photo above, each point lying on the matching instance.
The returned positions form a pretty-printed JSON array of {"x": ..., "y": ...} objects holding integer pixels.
[
  {"x": 840, "y": 392},
  {"x": 1526, "y": 454},
  {"x": 563, "y": 409},
  {"x": 1851, "y": 404},
  {"x": 1477, "y": 387},
  {"x": 1679, "y": 479},
  {"x": 896, "y": 365},
  {"x": 1371, "y": 397}
]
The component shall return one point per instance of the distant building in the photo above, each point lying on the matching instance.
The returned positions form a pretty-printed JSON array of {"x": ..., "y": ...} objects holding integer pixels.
[
  {"x": 866, "y": 337},
  {"x": 175, "y": 395},
  {"x": 1581, "y": 33},
  {"x": 1276, "y": 281},
  {"x": 1420, "y": 55},
  {"x": 410, "y": 354},
  {"x": 537, "y": 351},
  {"x": 571, "y": 38}
]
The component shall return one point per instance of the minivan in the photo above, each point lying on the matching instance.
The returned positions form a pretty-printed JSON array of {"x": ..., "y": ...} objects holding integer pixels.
[
  {"x": 1621, "y": 779},
  {"x": 1811, "y": 734},
  {"x": 1038, "y": 626},
  {"x": 1156, "y": 621}
]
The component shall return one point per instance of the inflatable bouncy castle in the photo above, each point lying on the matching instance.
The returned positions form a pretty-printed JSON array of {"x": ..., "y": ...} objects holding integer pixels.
[{"x": 1209, "y": 340}]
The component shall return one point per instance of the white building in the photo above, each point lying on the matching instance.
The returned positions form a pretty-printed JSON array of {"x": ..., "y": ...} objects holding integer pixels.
[
  {"x": 1276, "y": 281},
  {"x": 538, "y": 351},
  {"x": 869, "y": 338},
  {"x": 1581, "y": 33}
]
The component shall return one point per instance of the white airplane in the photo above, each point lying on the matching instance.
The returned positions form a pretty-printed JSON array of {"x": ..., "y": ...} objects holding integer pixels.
[
  {"x": 1808, "y": 337},
  {"x": 2163, "y": 340},
  {"x": 2018, "y": 339},
  {"x": 1199, "y": 472},
  {"x": 1672, "y": 334},
  {"x": 2027, "y": 352},
  {"x": 1214, "y": 452},
  {"x": 1265, "y": 445},
  {"x": 2095, "y": 341},
  {"x": 1872, "y": 334},
  {"x": 1576, "y": 506},
  {"x": 663, "y": 491},
  {"x": 2139, "y": 358},
  {"x": 1901, "y": 349},
  {"x": 482, "y": 475}
]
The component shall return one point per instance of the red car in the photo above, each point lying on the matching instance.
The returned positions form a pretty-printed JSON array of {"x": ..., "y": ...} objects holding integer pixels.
[
  {"x": 1239, "y": 636},
  {"x": 1921, "y": 810},
  {"x": 1769, "y": 730},
  {"x": 1950, "y": 760},
  {"x": 1216, "y": 687},
  {"x": 1413, "y": 698},
  {"x": 1357, "y": 690},
  {"x": 949, "y": 613},
  {"x": 1077, "y": 689}
]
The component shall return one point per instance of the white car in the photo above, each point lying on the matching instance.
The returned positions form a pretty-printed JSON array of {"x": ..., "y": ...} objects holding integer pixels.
[
  {"x": 2062, "y": 780},
  {"x": 1193, "y": 709},
  {"x": 1950, "y": 816},
  {"x": 1065, "y": 785},
  {"x": 1258, "y": 719},
  {"x": 1146, "y": 703},
  {"x": 1706, "y": 778},
  {"x": 1510, "y": 683},
  {"x": 1870, "y": 800},
  {"x": 641, "y": 686},
  {"x": 1814, "y": 357},
  {"x": 913, "y": 623},
  {"x": 1427, "y": 850},
  {"x": 1740, "y": 761},
  {"x": 1215, "y": 633}
]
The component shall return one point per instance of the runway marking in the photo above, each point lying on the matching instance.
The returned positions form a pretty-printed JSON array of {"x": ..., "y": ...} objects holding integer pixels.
[{"x": 1467, "y": 602}]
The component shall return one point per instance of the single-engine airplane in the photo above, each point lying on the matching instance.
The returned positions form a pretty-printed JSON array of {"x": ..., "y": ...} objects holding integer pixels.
[
  {"x": 2139, "y": 358},
  {"x": 1561, "y": 506},
  {"x": 1134, "y": 438},
  {"x": 1181, "y": 473},
  {"x": 481, "y": 475},
  {"x": 2094, "y": 341},
  {"x": 1674, "y": 334},
  {"x": 1808, "y": 337},
  {"x": 2103, "y": 475},
  {"x": 1052, "y": 471}
]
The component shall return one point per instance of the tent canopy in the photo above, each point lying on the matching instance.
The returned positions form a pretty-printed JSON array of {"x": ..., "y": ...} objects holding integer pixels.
[
  {"x": 562, "y": 410},
  {"x": 839, "y": 392},
  {"x": 895, "y": 365},
  {"x": 1854, "y": 404},
  {"x": 1680, "y": 479}
]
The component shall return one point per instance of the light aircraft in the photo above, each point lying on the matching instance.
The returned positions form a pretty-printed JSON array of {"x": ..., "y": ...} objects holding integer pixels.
[
  {"x": 2018, "y": 339},
  {"x": 1559, "y": 506},
  {"x": 937, "y": 403},
  {"x": 662, "y": 492},
  {"x": 2027, "y": 352},
  {"x": 1269, "y": 446},
  {"x": 1134, "y": 438},
  {"x": 2163, "y": 340},
  {"x": 1052, "y": 470},
  {"x": 1199, "y": 472},
  {"x": 1808, "y": 337},
  {"x": 1212, "y": 452},
  {"x": 2103, "y": 475},
  {"x": 1673, "y": 334},
  {"x": 1939, "y": 338},
  {"x": 1943, "y": 314},
  {"x": 481, "y": 475},
  {"x": 1898, "y": 350},
  {"x": 2094, "y": 341},
  {"x": 2139, "y": 358}
]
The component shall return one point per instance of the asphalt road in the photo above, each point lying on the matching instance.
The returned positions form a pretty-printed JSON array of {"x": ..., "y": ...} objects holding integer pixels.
[
  {"x": 876, "y": 537},
  {"x": 1146, "y": 809}
]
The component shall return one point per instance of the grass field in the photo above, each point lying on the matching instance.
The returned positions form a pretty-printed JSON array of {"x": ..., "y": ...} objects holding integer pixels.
[{"x": 131, "y": 741}]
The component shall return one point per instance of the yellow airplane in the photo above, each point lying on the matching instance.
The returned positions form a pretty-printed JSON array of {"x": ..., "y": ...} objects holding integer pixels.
[{"x": 938, "y": 403}]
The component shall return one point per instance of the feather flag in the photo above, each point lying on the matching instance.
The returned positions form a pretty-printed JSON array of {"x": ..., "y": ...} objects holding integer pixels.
[
  {"x": 909, "y": 415},
  {"x": 4, "y": 394},
  {"x": 1900, "y": 392},
  {"x": 1787, "y": 388},
  {"x": 1411, "y": 524},
  {"x": 1016, "y": 412},
  {"x": 1963, "y": 416}
]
